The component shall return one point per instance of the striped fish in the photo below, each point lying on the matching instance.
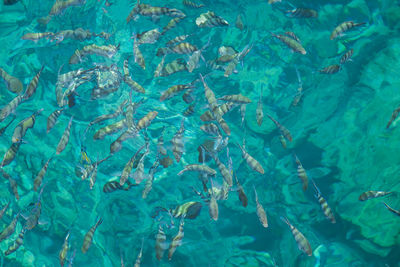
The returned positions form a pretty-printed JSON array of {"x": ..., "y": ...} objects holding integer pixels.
[
  {"x": 177, "y": 142},
  {"x": 332, "y": 69},
  {"x": 209, "y": 19},
  {"x": 291, "y": 43},
  {"x": 301, "y": 241},
  {"x": 372, "y": 194},
  {"x": 302, "y": 13},
  {"x": 31, "y": 89},
  {"x": 301, "y": 173},
  {"x": 64, "y": 138},
  {"x": 87, "y": 240},
  {"x": 261, "y": 214},
  {"x": 252, "y": 162},
  {"x": 343, "y": 27},
  {"x": 324, "y": 205},
  {"x": 52, "y": 119},
  {"x": 347, "y": 56}
]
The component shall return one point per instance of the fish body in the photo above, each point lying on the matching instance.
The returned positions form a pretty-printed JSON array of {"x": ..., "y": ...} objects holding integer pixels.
[
  {"x": 10, "y": 107},
  {"x": 285, "y": 132},
  {"x": 301, "y": 173},
  {"x": 3, "y": 129},
  {"x": 372, "y": 194},
  {"x": 241, "y": 193},
  {"x": 262, "y": 216},
  {"x": 209, "y": 20},
  {"x": 3, "y": 210},
  {"x": 259, "y": 111},
  {"x": 177, "y": 240},
  {"x": 252, "y": 162},
  {"x": 346, "y": 56},
  {"x": 224, "y": 108},
  {"x": 17, "y": 243},
  {"x": 39, "y": 177},
  {"x": 204, "y": 169},
  {"x": 23, "y": 126},
  {"x": 62, "y": 255},
  {"x": 175, "y": 66},
  {"x": 109, "y": 129},
  {"x": 64, "y": 138},
  {"x": 226, "y": 174},
  {"x": 191, "y": 4},
  {"x": 343, "y": 27},
  {"x": 214, "y": 108},
  {"x": 9, "y": 230},
  {"x": 13, "y": 84},
  {"x": 173, "y": 90},
  {"x": 160, "y": 240},
  {"x": 301, "y": 241},
  {"x": 148, "y": 37},
  {"x": 332, "y": 69},
  {"x": 397, "y": 212},
  {"x": 52, "y": 119},
  {"x": 172, "y": 24},
  {"x": 32, "y": 86},
  {"x": 237, "y": 99},
  {"x": 87, "y": 241},
  {"x": 177, "y": 142},
  {"x": 324, "y": 205},
  {"x": 10, "y": 154},
  {"x": 302, "y": 13},
  {"x": 291, "y": 43}
]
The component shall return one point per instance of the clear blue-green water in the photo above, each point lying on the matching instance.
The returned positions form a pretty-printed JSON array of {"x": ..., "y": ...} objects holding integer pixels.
[{"x": 338, "y": 128}]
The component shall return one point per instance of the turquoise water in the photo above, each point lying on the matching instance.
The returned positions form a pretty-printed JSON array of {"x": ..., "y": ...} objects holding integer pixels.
[{"x": 337, "y": 121}]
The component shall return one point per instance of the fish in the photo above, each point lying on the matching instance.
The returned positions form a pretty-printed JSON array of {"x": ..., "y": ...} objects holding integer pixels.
[
  {"x": 189, "y": 111},
  {"x": 160, "y": 66},
  {"x": 87, "y": 240},
  {"x": 149, "y": 183},
  {"x": 301, "y": 240},
  {"x": 109, "y": 129},
  {"x": 175, "y": 66},
  {"x": 14, "y": 187},
  {"x": 177, "y": 39},
  {"x": 372, "y": 194},
  {"x": 261, "y": 214},
  {"x": 224, "y": 108},
  {"x": 324, "y": 205},
  {"x": 209, "y": 20},
  {"x": 32, "y": 86},
  {"x": 332, "y": 69},
  {"x": 241, "y": 193},
  {"x": 10, "y": 107},
  {"x": 177, "y": 240},
  {"x": 160, "y": 143},
  {"x": 214, "y": 108},
  {"x": 13, "y": 84},
  {"x": 226, "y": 175},
  {"x": 39, "y": 177},
  {"x": 52, "y": 119},
  {"x": 64, "y": 138},
  {"x": 35, "y": 36},
  {"x": 243, "y": 113},
  {"x": 3, "y": 129},
  {"x": 189, "y": 210},
  {"x": 9, "y": 156},
  {"x": 391, "y": 209},
  {"x": 302, "y": 13},
  {"x": 291, "y": 43},
  {"x": 172, "y": 24},
  {"x": 160, "y": 242},
  {"x": 237, "y": 99},
  {"x": 113, "y": 186},
  {"x": 173, "y": 90},
  {"x": 23, "y": 126},
  {"x": 128, "y": 167},
  {"x": 10, "y": 229},
  {"x": 33, "y": 219},
  {"x": 282, "y": 141},
  {"x": 191, "y": 4},
  {"x": 213, "y": 205},
  {"x": 285, "y": 132},
  {"x": 395, "y": 113},
  {"x": 252, "y": 162},
  {"x": 239, "y": 22},
  {"x": 58, "y": 8},
  {"x": 346, "y": 56},
  {"x": 139, "y": 59},
  {"x": 293, "y": 36},
  {"x": 211, "y": 129},
  {"x": 177, "y": 142},
  {"x": 4, "y": 209},
  {"x": 343, "y": 27},
  {"x": 62, "y": 255},
  {"x": 139, "y": 257},
  {"x": 102, "y": 118},
  {"x": 198, "y": 168},
  {"x": 301, "y": 173},
  {"x": 148, "y": 37},
  {"x": 17, "y": 243},
  {"x": 93, "y": 176}
]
